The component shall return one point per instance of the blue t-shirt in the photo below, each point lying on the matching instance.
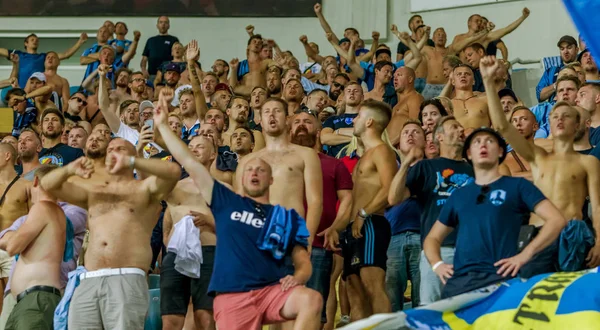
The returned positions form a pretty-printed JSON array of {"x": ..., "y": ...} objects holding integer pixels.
[
  {"x": 431, "y": 182},
  {"x": 369, "y": 73},
  {"x": 594, "y": 136},
  {"x": 125, "y": 44},
  {"x": 335, "y": 123},
  {"x": 404, "y": 216},
  {"x": 29, "y": 64},
  {"x": 239, "y": 264},
  {"x": 243, "y": 69},
  {"x": 117, "y": 64},
  {"x": 488, "y": 226},
  {"x": 60, "y": 155}
]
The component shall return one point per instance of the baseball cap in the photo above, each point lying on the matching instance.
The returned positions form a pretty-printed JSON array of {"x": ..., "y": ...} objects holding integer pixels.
[
  {"x": 507, "y": 92},
  {"x": 172, "y": 67},
  {"x": 498, "y": 137},
  {"x": 145, "y": 105},
  {"x": 568, "y": 39},
  {"x": 581, "y": 54},
  {"x": 39, "y": 76},
  {"x": 175, "y": 101},
  {"x": 222, "y": 87},
  {"x": 343, "y": 40}
]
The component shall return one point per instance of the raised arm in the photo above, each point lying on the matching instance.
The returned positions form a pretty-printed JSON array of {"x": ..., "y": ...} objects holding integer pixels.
[
  {"x": 313, "y": 182},
  {"x": 369, "y": 55},
  {"x": 88, "y": 58},
  {"x": 350, "y": 57},
  {"x": 398, "y": 191},
  {"x": 88, "y": 82},
  {"x": 503, "y": 49},
  {"x": 458, "y": 45},
  {"x": 488, "y": 67},
  {"x": 191, "y": 54},
  {"x": 180, "y": 151},
  {"x": 495, "y": 35},
  {"x": 250, "y": 30},
  {"x": 415, "y": 57},
  {"x": 233, "y": 68},
  {"x": 133, "y": 48},
  {"x": 69, "y": 52},
  {"x": 14, "y": 59},
  {"x": 56, "y": 182},
  {"x": 113, "y": 121},
  {"x": 324, "y": 23},
  {"x": 309, "y": 51}
]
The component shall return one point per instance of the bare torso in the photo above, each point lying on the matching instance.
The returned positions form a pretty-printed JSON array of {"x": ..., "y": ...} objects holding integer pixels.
[
  {"x": 16, "y": 202},
  {"x": 471, "y": 112},
  {"x": 58, "y": 83},
  {"x": 407, "y": 108},
  {"x": 39, "y": 263},
  {"x": 184, "y": 198},
  {"x": 256, "y": 71},
  {"x": 288, "y": 189},
  {"x": 366, "y": 182},
  {"x": 121, "y": 217},
  {"x": 375, "y": 94},
  {"x": 562, "y": 178},
  {"x": 435, "y": 71},
  {"x": 518, "y": 166}
]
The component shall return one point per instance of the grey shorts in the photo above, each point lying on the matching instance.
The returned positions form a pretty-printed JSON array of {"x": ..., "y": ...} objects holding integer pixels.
[{"x": 110, "y": 302}]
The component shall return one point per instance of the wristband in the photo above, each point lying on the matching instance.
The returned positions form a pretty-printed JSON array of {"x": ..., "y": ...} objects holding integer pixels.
[
  {"x": 132, "y": 162},
  {"x": 437, "y": 264}
]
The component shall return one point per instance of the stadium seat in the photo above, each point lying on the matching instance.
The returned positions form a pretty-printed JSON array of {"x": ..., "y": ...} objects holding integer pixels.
[
  {"x": 153, "y": 319},
  {"x": 153, "y": 281}
]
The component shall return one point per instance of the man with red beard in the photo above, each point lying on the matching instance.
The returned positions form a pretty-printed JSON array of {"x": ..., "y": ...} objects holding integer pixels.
[
  {"x": 337, "y": 186},
  {"x": 53, "y": 151}
]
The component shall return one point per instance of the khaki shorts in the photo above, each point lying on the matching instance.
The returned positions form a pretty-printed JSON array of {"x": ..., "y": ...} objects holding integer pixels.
[
  {"x": 110, "y": 302},
  {"x": 5, "y": 263}
]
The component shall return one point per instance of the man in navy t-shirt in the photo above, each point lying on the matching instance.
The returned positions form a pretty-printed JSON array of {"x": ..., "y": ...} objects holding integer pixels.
[
  {"x": 53, "y": 151},
  {"x": 250, "y": 284},
  {"x": 337, "y": 131},
  {"x": 488, "y": 215}
]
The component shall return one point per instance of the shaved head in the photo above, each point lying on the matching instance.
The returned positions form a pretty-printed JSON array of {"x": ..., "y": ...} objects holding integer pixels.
[{"x": 8, "y": 148}]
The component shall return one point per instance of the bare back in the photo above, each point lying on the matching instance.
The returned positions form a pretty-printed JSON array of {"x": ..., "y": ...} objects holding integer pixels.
[
  {"x": 563, "y": 179},
  {"x": 367, "y": 180},
  {"x": 16, "y": 202},
  {"x": 184, "y": 198},
  {"x": 121, "y": 217},
  {"x": 39, "y": 263},
  {"x": 472, "y": 112}
]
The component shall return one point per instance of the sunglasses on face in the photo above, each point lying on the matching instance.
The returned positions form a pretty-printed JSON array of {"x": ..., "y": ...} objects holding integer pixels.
[
  {"x": 80, "y": 100},
  {"x": 338, "y": 85},
  {"x": 483, "y": 194},
  {"x": 306, "y": 110}
]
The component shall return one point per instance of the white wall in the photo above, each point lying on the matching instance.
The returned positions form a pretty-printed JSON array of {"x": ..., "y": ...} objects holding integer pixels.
[{"x": 226, "y": 38}]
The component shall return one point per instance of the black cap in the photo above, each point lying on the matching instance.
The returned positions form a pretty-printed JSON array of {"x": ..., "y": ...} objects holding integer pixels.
[
  {"x": 498, "y": 137},
  {"x": 568, "y": 39},
  {"x": 581, "y": 55},
  {"x": 173, "y": 67},
  {"x": 507, "y": 92}
]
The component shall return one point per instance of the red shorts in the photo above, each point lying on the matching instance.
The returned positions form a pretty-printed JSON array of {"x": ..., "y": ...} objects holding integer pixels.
[{"x": 250, "y": 310}]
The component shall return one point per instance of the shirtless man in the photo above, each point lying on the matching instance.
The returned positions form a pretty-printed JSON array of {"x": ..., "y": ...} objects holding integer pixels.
[
  {"x": 296, "y": 170},
  {"x": 474, "y": 25},
  {"x": 470, "y": 110},
  {"x": 409, "y": 102},
  {"x": 60, "y": 85},
  {"x": 122, "y": 214},
  {"x": 514, "y": 165},
  {"x": 372, "y": 177},
  {"x": 186, "y": 200},
  {"x": 257, "y": 67},
  {"x": 237, "y": 110},
  {"x": 15, "y": 201},
  {"x": 563, "y": 175},
  {"x": 40, "y": 243}
]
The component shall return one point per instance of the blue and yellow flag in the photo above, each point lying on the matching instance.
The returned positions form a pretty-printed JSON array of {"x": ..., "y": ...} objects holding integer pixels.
[{"x": 569, "y": 300}]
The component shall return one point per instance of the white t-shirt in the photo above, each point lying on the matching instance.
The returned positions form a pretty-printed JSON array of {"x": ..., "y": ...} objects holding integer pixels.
[
  {"x": 315, "y": 68},
  {"x": 131, "y": 135}
]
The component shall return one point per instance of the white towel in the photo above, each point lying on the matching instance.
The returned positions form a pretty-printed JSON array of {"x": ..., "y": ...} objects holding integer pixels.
[{"x": 185, "y": 243}]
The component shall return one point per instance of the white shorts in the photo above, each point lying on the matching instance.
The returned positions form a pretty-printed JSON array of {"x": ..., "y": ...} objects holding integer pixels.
[{"x": 5, "y": 264}]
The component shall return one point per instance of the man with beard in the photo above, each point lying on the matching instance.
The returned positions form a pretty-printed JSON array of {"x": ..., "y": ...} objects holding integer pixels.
[
  {"x": 515, "y": 165},
  {"x": 220, "y": 99},
  {"x": 237, "y": 111},
  {"x": 137, "y": 86},
  {"x": 337, "y": 86},
  {"x": 172, "y": 77},
  {"x": 221, "y": 69},
  {"x": 103, "y": 129},
  {"x": 316, "y": 101},
  {"x": 53, "y": 151},
  {"x": 60, "y": 85},
  {"x": 273, "y": 81},
  {"x": 337, "y": 187},
  {"x": 293, "y": 93},
  {"x": 183, "y": 202},
  {"x": 380, "y": 91},
  {"x": 122, "y": 78},
  {"x": 409, "y": 102},
  {"x": 567, "y": 46},
  {"x": 177, "y": 53},
  {"x": 296, "y": 173},
  {"x": 75, "y": 106},
  {"x": 77, "y": 137},
  {"x": 337, "y": 130},
  {"x": 257, "y": 99},
  {"x": 29, "y": 146}
]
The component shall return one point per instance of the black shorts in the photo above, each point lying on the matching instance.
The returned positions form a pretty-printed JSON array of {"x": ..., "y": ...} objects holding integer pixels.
[
  {"x": 368, "y": 251},
  {"x": 176, "y": 288}
]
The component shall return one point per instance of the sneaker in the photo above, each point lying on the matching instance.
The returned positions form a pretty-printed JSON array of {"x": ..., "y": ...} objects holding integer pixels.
[{"x": 344, "y": 320}]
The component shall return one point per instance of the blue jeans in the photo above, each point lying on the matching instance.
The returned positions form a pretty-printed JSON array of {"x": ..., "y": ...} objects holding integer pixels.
[
  {"x": 322, "y": 265},
  {"x": 431, "y": 286},
  {"x": 420, "y": 84},
  {"x": 403, "y": 265}
]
